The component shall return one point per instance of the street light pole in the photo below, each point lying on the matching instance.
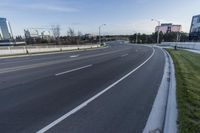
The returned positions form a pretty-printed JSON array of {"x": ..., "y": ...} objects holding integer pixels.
[
  {"x": 100, "y": 32},
  {"x": 158, "y": 34},
  {"x": 136, "y": 40},
  {"x": 136, "y": 37}
]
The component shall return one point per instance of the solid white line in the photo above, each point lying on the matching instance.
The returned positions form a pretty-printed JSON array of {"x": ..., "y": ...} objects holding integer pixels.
[
  {"x": 69, "y": 71},
  {"x": 46, "y": 128},
  {"x": 124, "y": 55}
]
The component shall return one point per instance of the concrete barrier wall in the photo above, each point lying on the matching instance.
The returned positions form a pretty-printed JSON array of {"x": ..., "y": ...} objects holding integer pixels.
[
  {"x": 39, "y": 49},
  {"x": 185, "y": 45},
  {"x": 12, "y": 43}
]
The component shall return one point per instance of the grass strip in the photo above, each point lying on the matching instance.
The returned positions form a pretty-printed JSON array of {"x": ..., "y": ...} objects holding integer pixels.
[{"x": 187, "y": 66}]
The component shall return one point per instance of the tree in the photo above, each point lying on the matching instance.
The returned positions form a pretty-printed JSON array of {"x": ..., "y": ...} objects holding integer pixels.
[
  {"x": 167, "y": 37},
  {"x": 143, "y": 38},
  {"x": 19, "y": 38},
  {"x": 79, "y": 37},
  {"x": 132, "y": 38},
  {"x": 161, "y": 34},
  {"x": 56, "y": 33},
  {"x": 71, "y": 34},
  {"x": 184, "y": 37},
  {"x": 170, "y": 37}
]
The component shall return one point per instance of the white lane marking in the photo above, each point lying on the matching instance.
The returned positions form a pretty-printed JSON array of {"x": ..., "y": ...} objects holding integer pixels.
[
  {"x": 13, "y": 69},
  {"x": 69, "y": 71},
  {"x": 124, "y": 55},
  {"x": 30, "y": 60},
  {"x": 46, "y": 128},
  {"x": 74, "y": 56},
  {"x": 21, "y": 61}
]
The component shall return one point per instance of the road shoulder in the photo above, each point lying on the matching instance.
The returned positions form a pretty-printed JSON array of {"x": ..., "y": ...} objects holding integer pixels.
[{"x": 164, "y": 111}]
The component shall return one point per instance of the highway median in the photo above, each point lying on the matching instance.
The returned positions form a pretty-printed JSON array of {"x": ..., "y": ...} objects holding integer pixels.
[{"x": 13, "y": 51}]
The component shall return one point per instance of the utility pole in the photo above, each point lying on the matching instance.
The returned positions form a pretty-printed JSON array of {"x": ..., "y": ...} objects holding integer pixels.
[
  {"x": 136, "y": 36},
  {"x": 136, "y": 40},
  {"x": 178, "y": 37},
  {"x": 100, "y": 32},
  {"x": 158, "y": 34}
]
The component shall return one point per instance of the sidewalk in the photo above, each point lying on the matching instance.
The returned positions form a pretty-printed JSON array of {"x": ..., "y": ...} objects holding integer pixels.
[{"x": 194, "y": 51}]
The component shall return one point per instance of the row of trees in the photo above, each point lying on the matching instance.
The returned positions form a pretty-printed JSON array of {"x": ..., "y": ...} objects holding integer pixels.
[
  {"x": 167, "y": 37},
  {"x": 71, "y": 37}
]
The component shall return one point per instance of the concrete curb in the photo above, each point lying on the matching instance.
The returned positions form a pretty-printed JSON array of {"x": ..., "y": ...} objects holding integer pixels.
[
  {"x": 171, "y": 112},
  {"x": 163, "y": 116}
]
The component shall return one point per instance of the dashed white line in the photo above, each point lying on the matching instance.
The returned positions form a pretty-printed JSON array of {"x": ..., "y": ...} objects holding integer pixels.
[
  {"x": 13, "y": 69},
  {"x": 124, "y": 55},
  {"x": 76, "y": 69},
  {"x": 74, "y": 56},
  {"x": 46, "y": 128}
]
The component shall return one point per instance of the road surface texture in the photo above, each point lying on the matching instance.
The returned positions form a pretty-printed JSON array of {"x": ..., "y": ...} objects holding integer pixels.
[{"x": 46, "y": 93}]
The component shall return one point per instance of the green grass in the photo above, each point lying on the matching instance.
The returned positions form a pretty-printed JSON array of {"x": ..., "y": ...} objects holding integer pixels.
[{"x": 187, "y": 66}]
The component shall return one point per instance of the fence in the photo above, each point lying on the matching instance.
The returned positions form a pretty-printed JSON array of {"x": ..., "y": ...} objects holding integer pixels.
[{"x": 185, "y": 45}]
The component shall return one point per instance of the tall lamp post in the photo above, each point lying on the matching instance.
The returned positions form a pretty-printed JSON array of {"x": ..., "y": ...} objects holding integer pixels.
[
  {"x": 158, "y": 34},
  {"x": 136, "y": 38},
  {"x": 100, "y": 32}
]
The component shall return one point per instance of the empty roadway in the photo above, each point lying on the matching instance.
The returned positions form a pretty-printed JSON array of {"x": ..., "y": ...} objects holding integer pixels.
[{"x": 38, "y": 90}]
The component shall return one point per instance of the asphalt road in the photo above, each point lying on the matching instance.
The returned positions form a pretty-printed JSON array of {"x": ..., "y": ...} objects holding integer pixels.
[{"x": 108, "y": 90}]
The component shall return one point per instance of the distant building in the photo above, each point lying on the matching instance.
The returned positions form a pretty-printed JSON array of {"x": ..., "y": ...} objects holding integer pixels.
[
  {"x": 195, "y": 29},
  {"x": 46, "y": 35},
  {"x": 37, "y": 35},
  {"x": 31, "y": 33},
  {"x": 168, "y": 27},
  {"x": 90, "y": 36},
  {"x": 5, "y": 29}
]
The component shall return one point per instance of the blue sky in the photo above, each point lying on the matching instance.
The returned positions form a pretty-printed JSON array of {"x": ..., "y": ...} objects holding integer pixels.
[{"x": 121, "y": 16}]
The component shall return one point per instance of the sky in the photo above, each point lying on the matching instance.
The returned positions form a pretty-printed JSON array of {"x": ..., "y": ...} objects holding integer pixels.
[{"x": 120, "y": 16}]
